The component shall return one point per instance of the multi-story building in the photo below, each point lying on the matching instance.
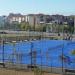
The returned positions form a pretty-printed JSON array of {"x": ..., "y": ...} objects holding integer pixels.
[
  {"x": 37, "y": 19},
  {"x": 41, "y": 19},
  {"x": 30, "y": 19},
  {"x": 16, "y": 18}
]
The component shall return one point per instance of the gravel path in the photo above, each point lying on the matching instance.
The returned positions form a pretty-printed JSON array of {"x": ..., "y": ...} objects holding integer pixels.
[{"x": 13, "y": 72}]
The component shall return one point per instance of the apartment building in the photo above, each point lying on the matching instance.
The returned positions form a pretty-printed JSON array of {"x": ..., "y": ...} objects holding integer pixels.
[
  {"x": 16, "y": 18},
  {"x": 37, "y": 19}
]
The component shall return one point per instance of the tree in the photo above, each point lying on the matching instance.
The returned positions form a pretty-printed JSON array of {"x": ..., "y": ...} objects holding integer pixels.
[
  {"x": 71, "y": 29},
  {"x": 66, "y": 28},
  {"x": 73, "y": 52},
  {"x": 44, "y": 28},
  {"x": 39, "y": 27},
  {"x": 24, "y": 26}
]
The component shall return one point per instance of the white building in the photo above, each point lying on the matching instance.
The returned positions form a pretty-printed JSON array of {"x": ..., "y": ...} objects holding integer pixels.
[
  {"x": 35, "y": 19},
  {"x": 16, "y": 18}
]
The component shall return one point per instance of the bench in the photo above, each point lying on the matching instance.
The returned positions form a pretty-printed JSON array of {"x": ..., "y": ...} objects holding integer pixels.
[
  {"x": 2, "y": 64},
  {"x": 70, "y": 71},
  {"x": 31, "y": 66}
]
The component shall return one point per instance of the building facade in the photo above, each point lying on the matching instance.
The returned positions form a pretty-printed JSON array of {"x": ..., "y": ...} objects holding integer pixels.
[
  {"x": 16, "y": 18},
  {"x": 37, "y": 19}
]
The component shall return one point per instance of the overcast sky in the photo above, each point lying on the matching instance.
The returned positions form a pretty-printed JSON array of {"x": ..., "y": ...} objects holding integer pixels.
[{"x": 66, "y": 7}]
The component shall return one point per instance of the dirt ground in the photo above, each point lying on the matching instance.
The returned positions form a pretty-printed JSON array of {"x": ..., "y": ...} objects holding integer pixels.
[{"x": 14, "y": 72}]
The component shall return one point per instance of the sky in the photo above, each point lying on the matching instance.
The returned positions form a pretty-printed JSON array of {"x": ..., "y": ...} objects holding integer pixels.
[{"x": 63, "y": 7}]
